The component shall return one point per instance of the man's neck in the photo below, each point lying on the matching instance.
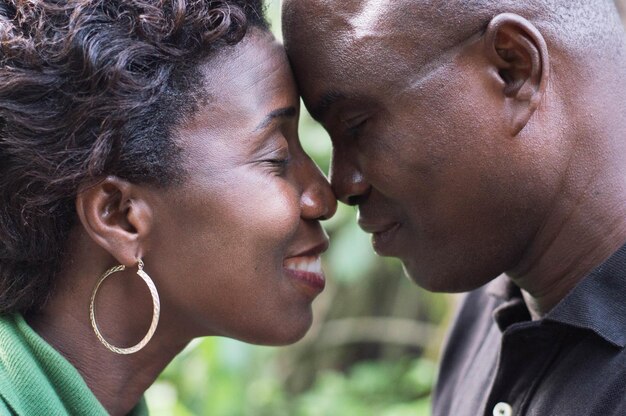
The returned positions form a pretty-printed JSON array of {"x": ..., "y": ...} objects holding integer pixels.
[{"x": 579, "y": 235}]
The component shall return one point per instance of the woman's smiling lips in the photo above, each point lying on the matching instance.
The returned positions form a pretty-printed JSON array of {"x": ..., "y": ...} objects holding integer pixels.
[{"x": 305, "y": 269}]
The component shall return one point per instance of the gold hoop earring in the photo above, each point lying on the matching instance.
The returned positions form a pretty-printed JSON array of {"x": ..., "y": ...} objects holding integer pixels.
[{"x": 155, "y": 311}]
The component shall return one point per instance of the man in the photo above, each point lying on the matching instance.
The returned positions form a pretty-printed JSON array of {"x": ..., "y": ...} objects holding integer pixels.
[{"x": 484, "y": 143}]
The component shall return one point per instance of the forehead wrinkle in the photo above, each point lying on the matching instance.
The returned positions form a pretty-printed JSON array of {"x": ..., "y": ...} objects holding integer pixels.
[{"x": 430, "y": 68}]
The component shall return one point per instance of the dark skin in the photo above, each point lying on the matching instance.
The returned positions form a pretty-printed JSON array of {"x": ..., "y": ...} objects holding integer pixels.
[
  {"x": 468, "y": 159},
  {"x": 225, "y": 249}
]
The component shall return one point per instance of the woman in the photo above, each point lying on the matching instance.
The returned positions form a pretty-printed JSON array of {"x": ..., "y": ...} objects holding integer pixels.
[{"x": 145, "y": 144}]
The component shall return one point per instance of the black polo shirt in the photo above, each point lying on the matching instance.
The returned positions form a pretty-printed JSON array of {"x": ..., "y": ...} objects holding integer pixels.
[{"x": 498, "y": 361}]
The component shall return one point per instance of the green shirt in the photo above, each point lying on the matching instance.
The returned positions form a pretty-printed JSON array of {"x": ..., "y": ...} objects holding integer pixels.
[{"x": 36, "y": 380}]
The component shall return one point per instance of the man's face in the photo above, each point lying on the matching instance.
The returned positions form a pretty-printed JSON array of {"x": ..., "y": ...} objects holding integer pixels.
[{"x": 421, "y": 140}]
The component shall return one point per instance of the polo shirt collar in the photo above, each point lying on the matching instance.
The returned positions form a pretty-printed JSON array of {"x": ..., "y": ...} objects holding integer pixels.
[{"x": 597, "y": 303}]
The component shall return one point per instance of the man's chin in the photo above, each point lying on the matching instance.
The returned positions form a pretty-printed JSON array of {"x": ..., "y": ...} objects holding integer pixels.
[{"x": 440, "y": 281}]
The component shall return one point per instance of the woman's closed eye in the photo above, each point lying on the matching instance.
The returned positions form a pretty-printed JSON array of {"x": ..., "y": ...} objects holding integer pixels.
[{"x": 277, "y": 162}]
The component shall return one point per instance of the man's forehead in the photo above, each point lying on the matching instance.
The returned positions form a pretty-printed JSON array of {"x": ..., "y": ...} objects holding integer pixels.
[
  {"x": 342, "y": 49},
  {"x": 367, "y": 20},
  {"x": 401, "y": 25}
]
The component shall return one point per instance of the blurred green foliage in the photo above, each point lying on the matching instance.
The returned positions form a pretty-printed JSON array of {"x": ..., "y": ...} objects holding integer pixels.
[
  {"x": 205, "y": 381},
  {"x": 371, "y": 351}
]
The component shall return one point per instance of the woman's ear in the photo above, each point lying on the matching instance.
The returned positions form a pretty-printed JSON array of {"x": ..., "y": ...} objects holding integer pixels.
[
  {"x": 519, "y": 53},
  {"x": 116, "y": 216}
]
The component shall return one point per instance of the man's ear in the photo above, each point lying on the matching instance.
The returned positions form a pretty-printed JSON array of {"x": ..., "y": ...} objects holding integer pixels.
[
  {"x": 116, "y": 217},
  {"x": 519, "y": 53}
]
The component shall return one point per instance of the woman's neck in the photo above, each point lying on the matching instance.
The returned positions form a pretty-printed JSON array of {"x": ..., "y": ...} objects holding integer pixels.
[{"x": 124, "y": 313}]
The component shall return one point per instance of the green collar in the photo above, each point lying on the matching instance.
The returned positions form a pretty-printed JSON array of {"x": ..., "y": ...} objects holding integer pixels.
[{"x": 35, "y": 379}]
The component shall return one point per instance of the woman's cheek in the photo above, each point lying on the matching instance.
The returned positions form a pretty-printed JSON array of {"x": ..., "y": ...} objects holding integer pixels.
[{"x": 277, "y": 207}]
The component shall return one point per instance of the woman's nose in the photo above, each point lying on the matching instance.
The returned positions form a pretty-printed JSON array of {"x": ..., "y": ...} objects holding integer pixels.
[
  {"x": 317, "y": 201},
  {"x": 348, "y": 183}
]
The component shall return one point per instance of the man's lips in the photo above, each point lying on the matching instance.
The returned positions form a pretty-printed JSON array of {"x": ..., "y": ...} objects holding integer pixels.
[
  {"x": 376, "y": 228},
  {"x": 383, "y": 234}
]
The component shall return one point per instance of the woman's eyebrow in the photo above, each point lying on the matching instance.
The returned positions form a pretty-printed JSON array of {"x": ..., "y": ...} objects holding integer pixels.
[{"x": 287, "y": 112}]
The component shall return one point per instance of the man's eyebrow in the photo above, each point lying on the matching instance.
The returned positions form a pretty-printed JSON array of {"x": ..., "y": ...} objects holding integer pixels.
[
  {"x": 286, "y": 112},
  {"x": 328, "y": 100}
]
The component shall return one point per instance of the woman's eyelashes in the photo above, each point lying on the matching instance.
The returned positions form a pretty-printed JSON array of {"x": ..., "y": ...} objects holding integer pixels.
[{"x": 277, "y": 161}]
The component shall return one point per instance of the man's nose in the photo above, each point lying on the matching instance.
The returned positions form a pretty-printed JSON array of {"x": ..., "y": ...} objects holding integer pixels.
[
  {"x": 317, "y": 201},
  {"x": 347, "y": 180}
]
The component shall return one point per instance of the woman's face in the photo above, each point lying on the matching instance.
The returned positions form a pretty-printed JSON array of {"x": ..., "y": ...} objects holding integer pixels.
[{"x": 235, "y": 250}]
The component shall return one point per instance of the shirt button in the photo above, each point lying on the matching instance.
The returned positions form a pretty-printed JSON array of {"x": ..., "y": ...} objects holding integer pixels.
[{"x": 502, "y": 409}]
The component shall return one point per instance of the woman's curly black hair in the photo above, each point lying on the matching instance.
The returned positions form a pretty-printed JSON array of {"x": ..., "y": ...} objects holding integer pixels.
[{"x": 88, "y": 89}]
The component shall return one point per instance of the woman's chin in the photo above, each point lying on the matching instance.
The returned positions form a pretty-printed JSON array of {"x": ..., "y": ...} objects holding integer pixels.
[{"x": 285, "y": 333}]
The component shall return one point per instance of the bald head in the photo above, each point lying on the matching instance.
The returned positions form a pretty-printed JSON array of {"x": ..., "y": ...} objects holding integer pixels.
[
  {"x": 579, "y": 25},
  {"x": 411, "y": 34}
]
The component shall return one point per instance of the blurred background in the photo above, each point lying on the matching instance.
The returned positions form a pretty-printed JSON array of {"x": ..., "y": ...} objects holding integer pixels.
[{"x": 372, "y": 350}]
